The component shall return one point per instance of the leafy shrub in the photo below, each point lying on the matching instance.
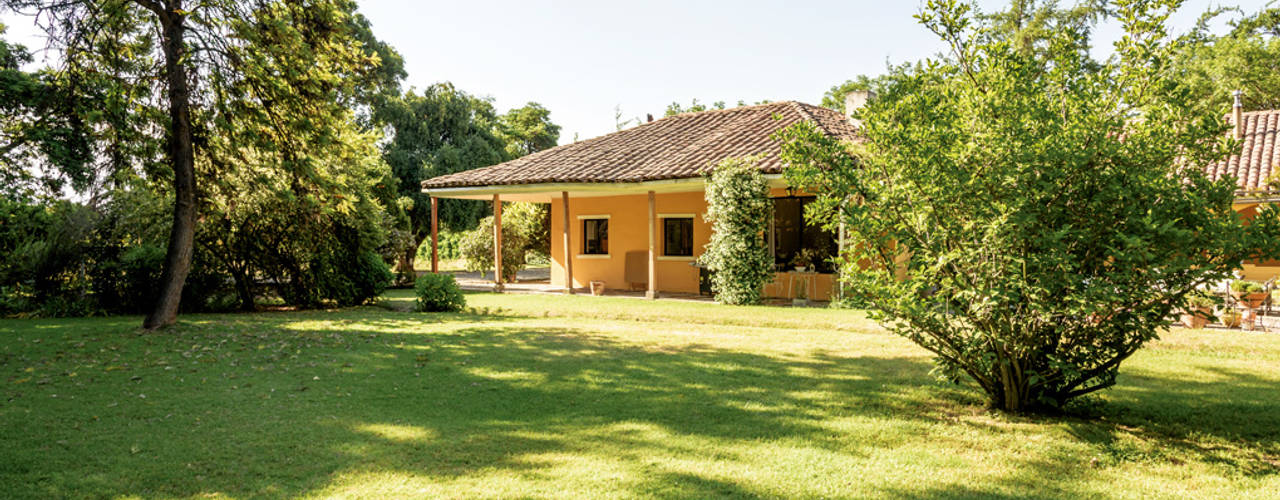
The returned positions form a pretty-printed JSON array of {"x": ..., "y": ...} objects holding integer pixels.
[
  {"x": 1246, "y": 287},
  {"x": 447, "y": 243},
  {"x": 140, "y": 270},
  {"x": 1202, "y": 299},
  {"x": 738, "y": 207},
  {"x": 350, "y": 280},
  {"x": 371, "y": 276},
  {"x": 438, "y": 293},
  {"x": 477, "y": 248},
  {"x": 1032, "y": 260},
  {"x": 533, "y": 222}
]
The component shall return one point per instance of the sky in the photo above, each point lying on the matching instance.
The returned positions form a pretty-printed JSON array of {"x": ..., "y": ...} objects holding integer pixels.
[{"x": 583, "y": 59}]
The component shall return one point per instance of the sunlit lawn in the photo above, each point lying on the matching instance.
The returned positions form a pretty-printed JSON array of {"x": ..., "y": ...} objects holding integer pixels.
[{"x": 585, "y": 397}]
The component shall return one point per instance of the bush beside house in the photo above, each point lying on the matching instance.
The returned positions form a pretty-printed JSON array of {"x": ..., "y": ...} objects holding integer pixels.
[{"x": 738, "y": 208}]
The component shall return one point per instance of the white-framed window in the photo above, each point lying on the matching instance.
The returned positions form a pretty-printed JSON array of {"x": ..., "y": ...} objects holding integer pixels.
[
  {"x": 595, "y": 234},
  {"x": 677, "y": 235}
]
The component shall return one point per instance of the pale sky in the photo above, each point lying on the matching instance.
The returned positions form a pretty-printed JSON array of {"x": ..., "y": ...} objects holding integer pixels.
[{"x": 580, "y": 59}]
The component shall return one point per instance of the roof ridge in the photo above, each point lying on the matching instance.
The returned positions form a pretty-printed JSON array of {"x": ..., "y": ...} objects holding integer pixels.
[{"x": 807, "y": 115}]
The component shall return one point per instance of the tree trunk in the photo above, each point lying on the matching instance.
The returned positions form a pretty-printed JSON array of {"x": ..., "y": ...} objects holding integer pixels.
[
  {"x": 405, "y": 264},
  {"x": 177, "y": 261},
  {"x": 244, "y": 290}
]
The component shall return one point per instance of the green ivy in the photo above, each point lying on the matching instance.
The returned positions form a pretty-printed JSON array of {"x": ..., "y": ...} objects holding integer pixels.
[{"x": 738, "y": 208}]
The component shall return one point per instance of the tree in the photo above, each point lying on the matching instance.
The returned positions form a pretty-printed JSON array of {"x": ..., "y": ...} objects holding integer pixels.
[
  {"x": 1032, "y": 25},
  {"x": 738, "y": 209},
  {"x": 269, "y": 72},
  {"x": 44, "y": 143},
  {"x": 1032, "y": 217},
  {"x": 528, "y": 130},
  {"x": 1247, "y": 59},
  {"x": 694, "y": 106},
  {"x": 834, "y": 98},
  {"x": 441, "y": 131}
]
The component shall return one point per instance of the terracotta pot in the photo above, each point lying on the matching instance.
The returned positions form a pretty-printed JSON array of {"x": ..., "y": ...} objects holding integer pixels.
[
  {"x": 1194, "y": 321},
  {"x": 1230, "y": 319},
  {"x": 1253, "y": 299},
  {"x": 597, "y": 288},
  {"x": 1248, "y": 319}
]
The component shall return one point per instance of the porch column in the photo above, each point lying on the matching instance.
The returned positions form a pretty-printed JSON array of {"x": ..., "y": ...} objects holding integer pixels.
[
  {"x": 568, "y": 247},
  {"x": 435, "y": 224},
  {"x": 653, "y": 253},
  {"x": 497, "y": 243}
]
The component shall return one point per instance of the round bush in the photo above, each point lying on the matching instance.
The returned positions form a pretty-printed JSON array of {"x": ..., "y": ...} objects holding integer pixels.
[{"x": 439, "y": 293}]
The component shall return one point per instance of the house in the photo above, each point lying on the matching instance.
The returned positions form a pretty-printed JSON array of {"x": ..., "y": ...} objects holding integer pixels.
[
  {"x": 627, "y": 208},
  {"x": 1256, "y": 169}
]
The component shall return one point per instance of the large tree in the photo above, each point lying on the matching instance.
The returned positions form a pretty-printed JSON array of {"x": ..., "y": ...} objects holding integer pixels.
[
  {"x": 264, "y": 70},
  {"x": 1246, "y": 58},
  {"x": 1032, "y": 217},
  {"x": 439, "y": 131},
  {"x": 44, "y": 142},
  {"x": 528, "y": 129}
]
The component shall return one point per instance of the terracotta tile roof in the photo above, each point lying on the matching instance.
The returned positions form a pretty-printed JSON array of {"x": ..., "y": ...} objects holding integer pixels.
[
  {"x": 680, "y": 146},
  {"x": 1259, "y": 155}
]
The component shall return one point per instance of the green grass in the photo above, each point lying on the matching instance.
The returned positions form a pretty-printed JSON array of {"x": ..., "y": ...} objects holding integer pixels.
[{"x": 586, "y": 397}]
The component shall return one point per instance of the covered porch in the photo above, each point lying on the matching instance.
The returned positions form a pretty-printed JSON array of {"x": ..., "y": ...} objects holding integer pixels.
[{"x": 630, "y": 239}]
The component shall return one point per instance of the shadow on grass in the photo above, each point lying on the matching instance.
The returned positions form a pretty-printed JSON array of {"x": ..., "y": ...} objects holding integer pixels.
[
  {"x": 279, "y": 404},
  {"x": 284, "y": 404}
]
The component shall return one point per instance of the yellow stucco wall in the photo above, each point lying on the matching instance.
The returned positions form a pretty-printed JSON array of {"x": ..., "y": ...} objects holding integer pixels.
[
  {"x": 1257, "y": 271},
  {"x": 628, "y": 231}
]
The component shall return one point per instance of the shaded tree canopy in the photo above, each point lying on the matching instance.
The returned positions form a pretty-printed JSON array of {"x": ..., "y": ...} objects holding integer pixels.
[
  {"x": 441, "y": 130},
  {"x": 44, "y": 140},
  {"x": 270, "y": 86}
]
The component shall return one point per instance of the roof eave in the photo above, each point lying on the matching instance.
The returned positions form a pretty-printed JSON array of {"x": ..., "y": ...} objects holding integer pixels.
[{"x": 678, "y": 185}]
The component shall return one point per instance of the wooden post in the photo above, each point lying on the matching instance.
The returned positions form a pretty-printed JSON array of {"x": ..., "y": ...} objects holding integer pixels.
[
  {"x": 568, "y": 246},
  {"x": 653, "y": 249},
  {"x": 497, "y": 244},
  {"x": 435, "y": 225}
]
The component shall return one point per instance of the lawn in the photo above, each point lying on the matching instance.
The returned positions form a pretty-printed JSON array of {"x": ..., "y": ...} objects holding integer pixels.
[{"x": 585, "y": 397}]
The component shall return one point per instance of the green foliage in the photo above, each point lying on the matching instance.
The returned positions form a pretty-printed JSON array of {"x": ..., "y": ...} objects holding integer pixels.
[
  {"x": 1202, "y": 299},
  {"x": 532, "y": 223},
  {"x": 1247, "y": 58},
  {"x": 1033, "y": 26},
  {"x": 441, "y": 131},
  {"x": 40, "y": 123},
  {"x": 528, "y": 130},
  {"x": 438, "y": 292},
  {"x": 476, "y": 247},
  {"x": 694, "y": 106},
  {"x": 738, "y": 209},
  {"x": 1245, "y": 286},
  {"x": 448, "y": 243},
  {"x": 292, "y": 186},
  {"x": 834, "y": 98},
  {"x": 349, "y": 281},
  {"x": 1032, "y": 217}
]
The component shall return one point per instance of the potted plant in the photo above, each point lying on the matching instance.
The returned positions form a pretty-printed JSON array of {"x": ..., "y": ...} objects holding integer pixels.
[
  {"x": 1230, "y": 317},
  {"x": 803, "y": 259},
  {"x": 1199, "y": 308},
  {"x": 1250, "y": 293}
]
